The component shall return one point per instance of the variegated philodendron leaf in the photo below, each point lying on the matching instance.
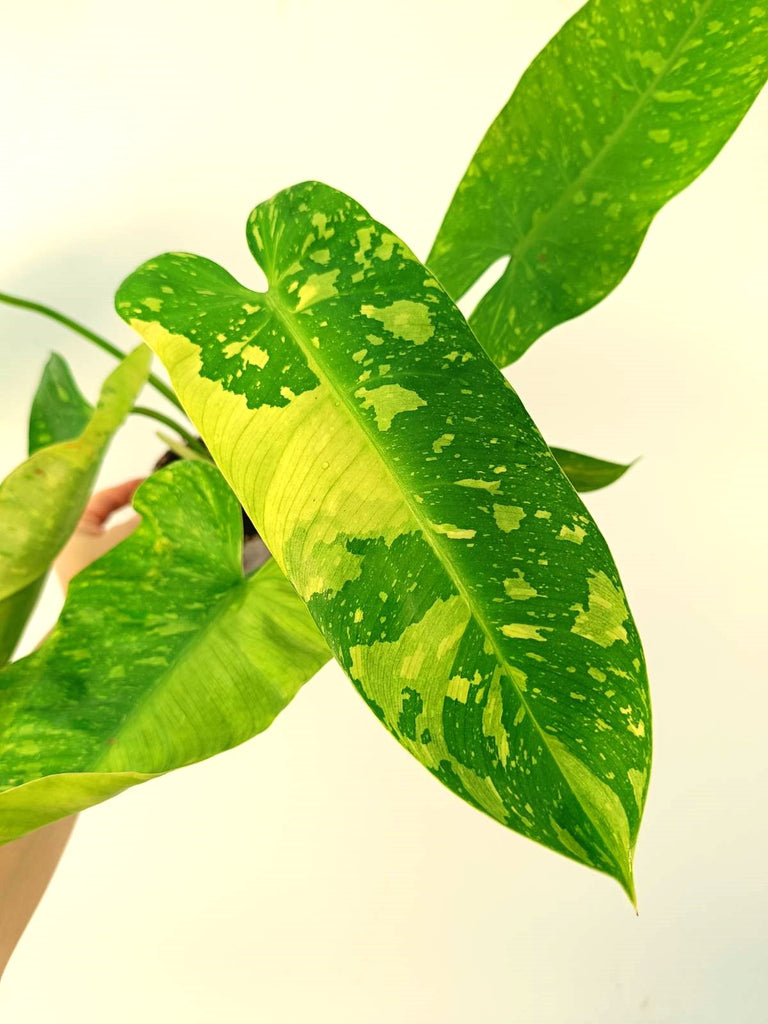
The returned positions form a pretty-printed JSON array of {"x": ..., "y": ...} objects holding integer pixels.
[
  {"x": 587, "y": 473},
  {"x": 401, "y": 485},
  {"x": 622, "y": 109},
  {"x": 42, "y": 500},
  {"x": 59, "y": 411},
  {"x": 164, "y": 654}
]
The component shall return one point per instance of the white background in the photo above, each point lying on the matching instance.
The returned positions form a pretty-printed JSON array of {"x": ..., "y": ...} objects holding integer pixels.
[{"x": 318, "y": 873}]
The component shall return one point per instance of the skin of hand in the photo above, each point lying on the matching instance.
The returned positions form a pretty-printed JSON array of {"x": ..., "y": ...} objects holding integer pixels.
[
  {"x": 27, "y": 864},
  {"x": 93, "y": 536}
]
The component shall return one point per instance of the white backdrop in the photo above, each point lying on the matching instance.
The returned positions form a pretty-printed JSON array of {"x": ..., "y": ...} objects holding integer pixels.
[{"x": 318, "y": 875}]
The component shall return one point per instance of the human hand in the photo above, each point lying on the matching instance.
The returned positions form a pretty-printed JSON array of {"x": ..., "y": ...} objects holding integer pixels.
[{"x": 93, "y": 537}]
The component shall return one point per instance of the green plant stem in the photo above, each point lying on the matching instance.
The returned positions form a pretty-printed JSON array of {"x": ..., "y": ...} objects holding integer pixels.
[
  {"x": 189, "y": 440},
  {"x": 96, "y": 339}
]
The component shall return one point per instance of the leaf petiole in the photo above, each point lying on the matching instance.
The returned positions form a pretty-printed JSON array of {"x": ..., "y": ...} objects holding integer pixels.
[{"x": 85, "y": 332}]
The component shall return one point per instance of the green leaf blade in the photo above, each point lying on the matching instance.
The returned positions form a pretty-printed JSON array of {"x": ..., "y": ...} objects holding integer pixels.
[
  {"x": 15, "y": 611},
  {"x": 165, "y": 654},
  {"x": 42, "y": 500},
  {"x": 623, "y": 108},
  {"x": 59, "y": 410},
  {"x": 402, "y": 487},
  {"x": 587, "y": 473},
  {"x": 59, "y": 413}
]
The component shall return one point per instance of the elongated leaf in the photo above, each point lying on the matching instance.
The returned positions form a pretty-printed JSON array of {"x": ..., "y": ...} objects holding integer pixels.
[
  {"x": 42, "y": 500},
  {"x": 397, "y": 479},
  {"x": 622, "y": 109},
  {"x": 59, "y": 411},
  {"x": 587, "y": 473},
  {"x": 164, "y": 654}
]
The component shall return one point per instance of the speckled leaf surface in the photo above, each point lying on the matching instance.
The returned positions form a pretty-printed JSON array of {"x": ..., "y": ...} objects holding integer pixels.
[
  {"x": 59, "y": 410},
  {"x": 587, "y": 473},
  {"x": 623, "y": 108},
  {"x": 165, "y": 653},
  {"x": 399, "y": 482},
  {"x": 43, "y": 498}
]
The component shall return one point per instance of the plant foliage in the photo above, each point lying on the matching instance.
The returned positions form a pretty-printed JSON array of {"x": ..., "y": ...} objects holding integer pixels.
[
  {"x": 402, "y": 487},
  {"x": 164, "y": 654},
  {"x": 622, "y": 109},
  {"x": 587, "y": 473},
  {"x": 423, "y": 533},
  {"x": 59, "y": 411},
  {"x": 43, "y": 498}
]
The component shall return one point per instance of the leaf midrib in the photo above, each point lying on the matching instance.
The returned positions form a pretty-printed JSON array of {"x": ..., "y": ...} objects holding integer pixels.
[
  {"x": 196, "y": 637},
  {"x": 290, "y": 323}
]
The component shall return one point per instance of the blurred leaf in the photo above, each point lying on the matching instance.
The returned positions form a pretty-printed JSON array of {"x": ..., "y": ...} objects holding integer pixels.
[
  {"x": 164, "y": 654},
  {"x": 42, "y": 500},
  {"x": 15, "y": 611},
  {"x": 587, "y": 473},
  {"x": 401, "y": 485},
  {"x": 59, "y": 411},
  {"x": 622, "y": 109}
]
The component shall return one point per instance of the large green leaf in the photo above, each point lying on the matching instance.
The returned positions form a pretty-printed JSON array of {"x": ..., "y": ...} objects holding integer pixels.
[
  {"x": 622, "y": 109},
  {"x": 587, "y": 473},
  {"x": 399, "y": 482},
  {"x": 59, "y": 411},
  {"x": 164, "y": 654},
  {"x": 42, "y": 500}
]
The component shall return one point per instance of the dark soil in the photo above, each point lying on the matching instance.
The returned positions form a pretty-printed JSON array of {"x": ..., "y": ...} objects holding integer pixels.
[{"x": 249, "y": 530}]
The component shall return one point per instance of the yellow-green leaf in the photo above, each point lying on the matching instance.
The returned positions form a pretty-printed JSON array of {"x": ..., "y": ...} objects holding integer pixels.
[
  {"x": 165, "y": 653},
  {"x": 402, "y": 487},
  {"x": 42, "y": 500}
]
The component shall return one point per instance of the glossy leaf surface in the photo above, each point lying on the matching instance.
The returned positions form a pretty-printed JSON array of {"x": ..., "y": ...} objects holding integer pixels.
[
  {"x": 399, "y": 482},
  {"x": 59, "y": 410},
  {"x": 587, "y": 473},
  {"x": 623, "y": 108},
  {"x": 42, "y": 500},
  {"x": 164, "y": 654}
]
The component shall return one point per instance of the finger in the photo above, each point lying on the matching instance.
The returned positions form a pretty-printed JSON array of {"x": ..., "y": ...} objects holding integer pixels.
[{"x": 104, "y": 503}]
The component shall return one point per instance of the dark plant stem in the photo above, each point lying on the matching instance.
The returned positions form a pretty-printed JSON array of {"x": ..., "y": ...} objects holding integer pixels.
[
  {"x": 153, "y": 414},
  {"x": 96, "y": 339}
]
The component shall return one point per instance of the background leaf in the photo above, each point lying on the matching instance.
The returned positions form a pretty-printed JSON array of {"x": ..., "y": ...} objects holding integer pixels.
[
  {"x": 59, "y": 411},
  {"x": 587, "y": 473},
  {"x": 164, "y": 654},
  {"x": 397, "y": 479},
  {"x": 42, "y": 500},
  {"x": 15, "y": 611},
  {"x": 622, "y": 109}
]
